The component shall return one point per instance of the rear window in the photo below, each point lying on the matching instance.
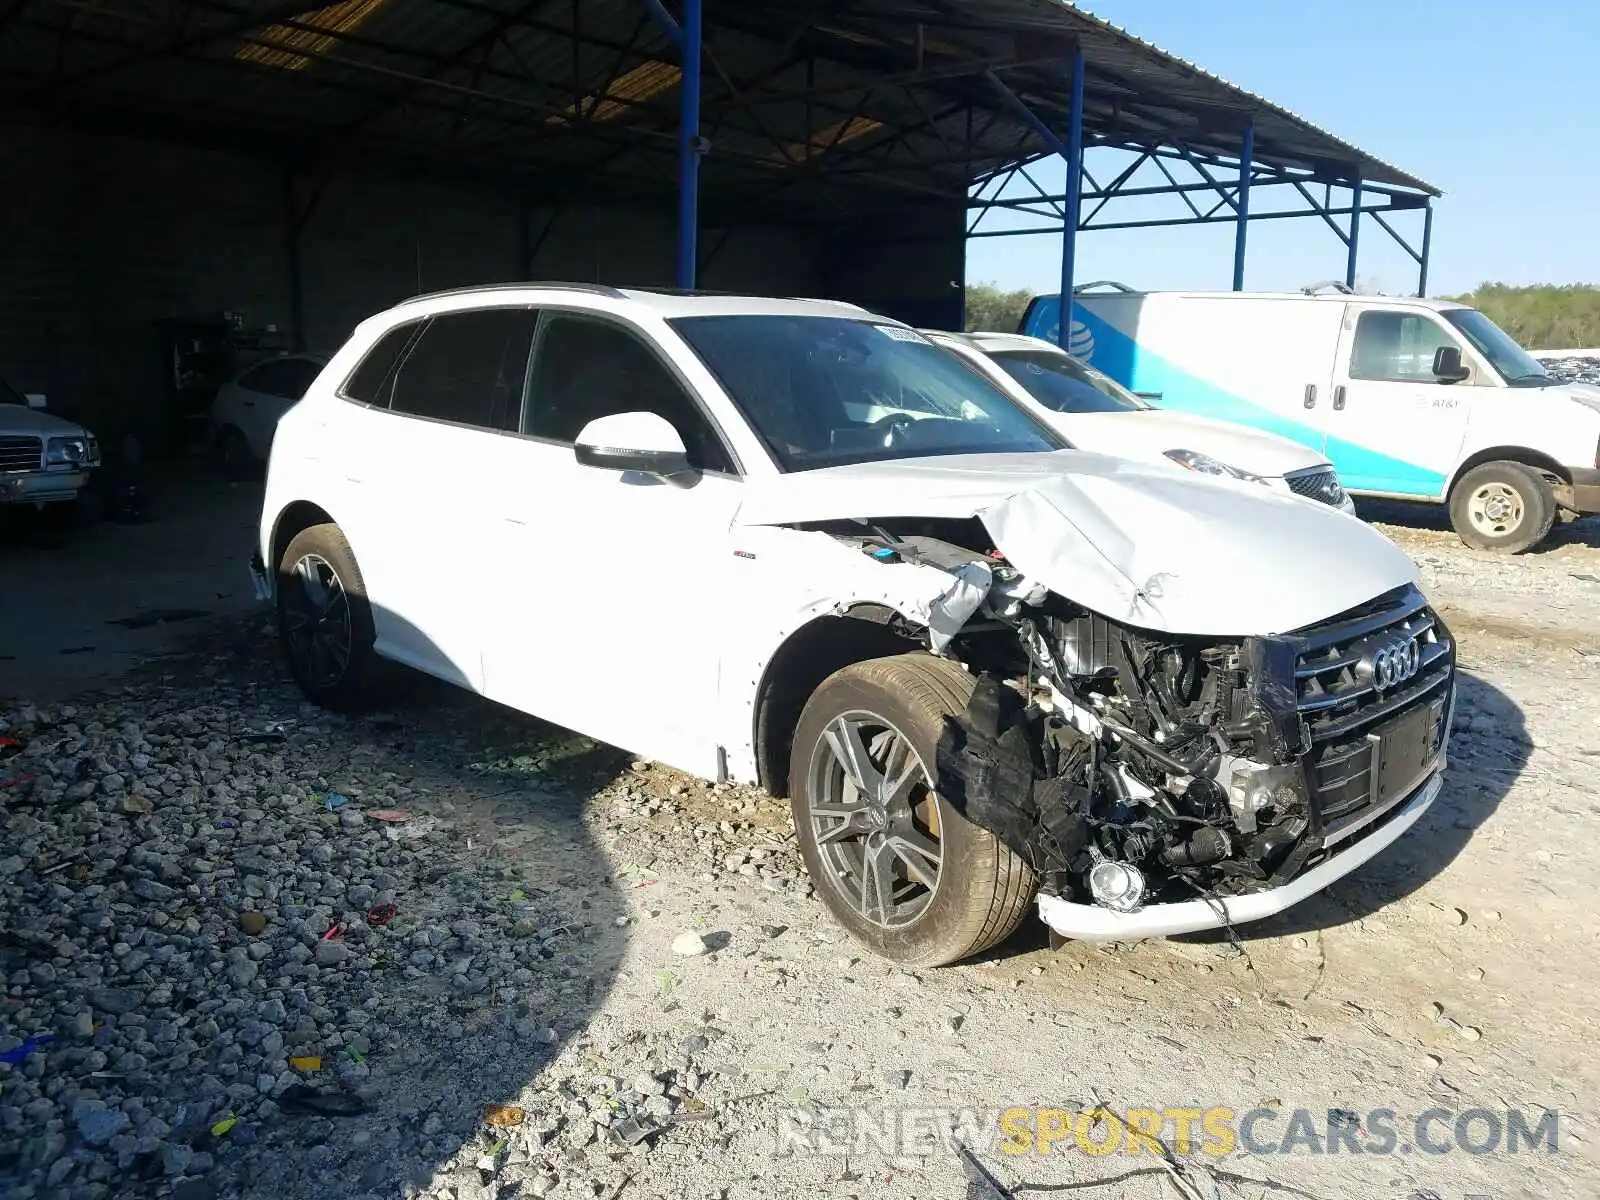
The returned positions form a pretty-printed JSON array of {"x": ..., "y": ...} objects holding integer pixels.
[
  {"x": 373, "y": 381},
  {"x": 468, "y": 367}
]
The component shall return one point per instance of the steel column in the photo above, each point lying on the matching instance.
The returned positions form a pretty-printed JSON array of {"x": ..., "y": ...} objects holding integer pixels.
[
  {"x": 1427, "y": 243},
  {"x": 1069, "y": 223},
  {"x": 1355, "y": 232},
  {"x": 1242, "y": 202},
  {"x": 292, "y": 224},
  {"x": 689, "y": 147}
]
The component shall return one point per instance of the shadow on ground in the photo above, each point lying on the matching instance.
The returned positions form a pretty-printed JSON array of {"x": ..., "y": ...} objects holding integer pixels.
[
  {"x": 1584, "y": 531},
  {"x": 504, "y": 942},
  {"x": 519, "y": 862}
]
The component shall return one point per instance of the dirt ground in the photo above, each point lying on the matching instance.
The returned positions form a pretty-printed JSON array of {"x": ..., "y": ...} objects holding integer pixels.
[{"x": 1456, "y": 972}]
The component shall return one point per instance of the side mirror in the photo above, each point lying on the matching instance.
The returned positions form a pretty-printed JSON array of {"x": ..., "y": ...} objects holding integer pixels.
[
  {"x": 1447, "y": 365},
  {"x": 34, "y": 399},
  {"x": 641, "y": 442}
]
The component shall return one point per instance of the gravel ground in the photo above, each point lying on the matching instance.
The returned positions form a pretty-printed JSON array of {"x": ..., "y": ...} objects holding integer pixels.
[{"x": 601, "y": 977}]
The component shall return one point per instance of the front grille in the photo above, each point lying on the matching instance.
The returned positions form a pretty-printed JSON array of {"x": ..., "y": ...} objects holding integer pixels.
[
  {"x": 21, "y": 454},
  {"x": 1370, "y": 743},
  {"x": 1321, "y": 484}
]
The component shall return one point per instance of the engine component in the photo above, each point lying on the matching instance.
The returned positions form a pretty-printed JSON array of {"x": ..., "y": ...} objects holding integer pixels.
[{"x": 1205, "y": 846}]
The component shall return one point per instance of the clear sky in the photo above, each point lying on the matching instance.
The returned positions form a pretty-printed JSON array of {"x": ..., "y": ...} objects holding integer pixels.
[{"x": 1495, "y": 103}]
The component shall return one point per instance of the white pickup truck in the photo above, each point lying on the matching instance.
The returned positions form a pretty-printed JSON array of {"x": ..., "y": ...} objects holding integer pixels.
[{"x": 43, "y": 458}]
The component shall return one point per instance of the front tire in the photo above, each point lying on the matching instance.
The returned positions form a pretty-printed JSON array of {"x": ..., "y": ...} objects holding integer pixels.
[
  {"x": 1502, "y": 506},
  {"x": 901, "y": 869},
  {"x": 324, "y": 621}
]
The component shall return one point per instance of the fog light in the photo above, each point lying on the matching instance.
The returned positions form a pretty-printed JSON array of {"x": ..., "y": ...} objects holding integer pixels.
[{"x": 1117, "y": 885}]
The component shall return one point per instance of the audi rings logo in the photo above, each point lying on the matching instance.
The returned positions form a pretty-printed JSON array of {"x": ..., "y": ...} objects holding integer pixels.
[{"x": 1390, "y": 661}]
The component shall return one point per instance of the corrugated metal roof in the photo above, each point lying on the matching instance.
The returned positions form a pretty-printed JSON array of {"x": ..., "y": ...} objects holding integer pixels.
[{"x": 879, "y": 103}]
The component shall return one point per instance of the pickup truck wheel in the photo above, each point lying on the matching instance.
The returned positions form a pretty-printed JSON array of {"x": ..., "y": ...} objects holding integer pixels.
[
  {"x": 324, "y": 620},
  {"x": 1503, "y": 506},
  {"x": 898, "y": 867}
]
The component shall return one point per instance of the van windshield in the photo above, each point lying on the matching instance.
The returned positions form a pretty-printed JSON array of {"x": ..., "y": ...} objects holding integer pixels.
[
  {"x": 1516, "y": 366},
  {"x": 825, "y": 391},
  {"x": 1063, "y": 384}
]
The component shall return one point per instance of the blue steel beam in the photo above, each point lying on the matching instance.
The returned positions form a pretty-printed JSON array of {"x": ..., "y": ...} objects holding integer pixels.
[
  {"x": 1247, "y": 156},
  {"x": 1074, "y": 206},
  {"x": 687, "y": 38},
  {"x": 1355, "y": 232},
  {"x": 1427, "y": 245}
]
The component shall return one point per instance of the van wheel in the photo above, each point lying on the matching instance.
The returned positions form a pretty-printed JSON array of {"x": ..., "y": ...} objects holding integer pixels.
[
  {"x": 1502, "y": 506},
  {"x": 897, "y": 866},
  {"x": 324, "y": 620}
]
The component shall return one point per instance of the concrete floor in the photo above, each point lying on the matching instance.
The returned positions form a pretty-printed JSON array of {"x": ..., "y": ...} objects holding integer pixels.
[{"x": 79, "y": 607}]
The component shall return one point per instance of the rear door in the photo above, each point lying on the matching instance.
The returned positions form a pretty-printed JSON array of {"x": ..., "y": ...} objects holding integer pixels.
[
  {"x": 428, "y": 486},
  {"x": 1391, "y": 426}
]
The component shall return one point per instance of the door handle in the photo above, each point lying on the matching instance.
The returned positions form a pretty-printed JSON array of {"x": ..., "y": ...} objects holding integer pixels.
[
  {"x": 1338, "y": 396},
  {"x": 249, "y": 403},
  {"x": 1311, "y": 395}
]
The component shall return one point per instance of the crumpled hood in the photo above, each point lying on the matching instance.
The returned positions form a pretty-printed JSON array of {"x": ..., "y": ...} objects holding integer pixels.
[
  {"x": 1151, "y": 433},
  {"x": 17, "y": 420},
  {"x": 1146, "y": 545}
]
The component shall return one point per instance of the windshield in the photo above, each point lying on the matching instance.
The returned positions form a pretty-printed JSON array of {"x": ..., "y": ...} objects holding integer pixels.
[
  {"x": 10, "y": 395},
  {"x": 824, "y": 391},
  {"x": 1516, "y": 365},
  {"x": 1064, "y": 384}
]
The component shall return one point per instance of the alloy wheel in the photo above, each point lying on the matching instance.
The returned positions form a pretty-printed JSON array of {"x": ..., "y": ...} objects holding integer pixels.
[{"x": 876, "y": 819}]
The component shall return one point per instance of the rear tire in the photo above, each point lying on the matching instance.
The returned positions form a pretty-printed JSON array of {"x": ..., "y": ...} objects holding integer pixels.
[
  {"x": 324, "y": 620},
  {"x": 1506, "y": 507},
  {"x": 888, "y": 713}
]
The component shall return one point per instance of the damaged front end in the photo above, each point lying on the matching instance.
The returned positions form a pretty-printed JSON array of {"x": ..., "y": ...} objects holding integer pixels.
[{"x": 1160, "y": 783}]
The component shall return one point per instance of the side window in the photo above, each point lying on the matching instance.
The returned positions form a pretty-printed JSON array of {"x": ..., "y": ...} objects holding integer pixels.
[
  {"x": 373, "y": 381},
  {"x": 285, "y": 377},
  {"x": 299, "y": 375},
  {"x": 265, "y": 379},
  {"x": 1396, "y": 347},
  {"x": 585, "y": 369},
  {"x": 468, "y": 367}
]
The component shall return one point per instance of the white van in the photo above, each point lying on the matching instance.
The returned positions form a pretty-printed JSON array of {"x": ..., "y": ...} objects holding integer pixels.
[{"x": 1408, "y": 398}]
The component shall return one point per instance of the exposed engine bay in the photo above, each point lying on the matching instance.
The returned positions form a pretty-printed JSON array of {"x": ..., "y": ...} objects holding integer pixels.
[{"x": 1127, "y": 767}]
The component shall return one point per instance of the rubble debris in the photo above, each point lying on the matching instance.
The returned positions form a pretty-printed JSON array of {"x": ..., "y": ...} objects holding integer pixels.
[{"x": 690, "y": 945}]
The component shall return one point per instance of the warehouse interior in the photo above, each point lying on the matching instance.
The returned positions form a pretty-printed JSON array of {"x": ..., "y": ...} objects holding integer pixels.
[{"x": 196, "y": 184}]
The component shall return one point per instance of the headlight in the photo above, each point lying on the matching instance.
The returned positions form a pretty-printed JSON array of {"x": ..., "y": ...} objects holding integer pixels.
[
  {"x": 81, "y": 451},
  {"x": 1207, "y": 465}
]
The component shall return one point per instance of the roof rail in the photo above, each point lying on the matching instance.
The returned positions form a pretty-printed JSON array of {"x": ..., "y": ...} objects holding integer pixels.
[
  {"x": 1105, "y": 283},
  {"x": 594, "y": 289},
  {"x": 1337, "y": 285}
]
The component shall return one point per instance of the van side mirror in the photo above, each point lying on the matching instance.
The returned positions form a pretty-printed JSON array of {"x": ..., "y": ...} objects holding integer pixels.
[
  {"x": 641, "y": 442},
  {"x": 1447, "y": 365},
  {"x": 34, "y": 399}
]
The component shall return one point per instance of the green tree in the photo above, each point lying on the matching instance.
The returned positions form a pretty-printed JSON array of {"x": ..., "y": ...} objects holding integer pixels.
[
  {"x": 992, "y": 310},
  {"x": 1543, "y": 316}
]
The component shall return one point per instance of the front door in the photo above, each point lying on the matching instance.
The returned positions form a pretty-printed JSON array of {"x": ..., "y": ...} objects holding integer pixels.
[
  {"x": 608, "y": 582},
  {"x": 1391, "y": 426}
]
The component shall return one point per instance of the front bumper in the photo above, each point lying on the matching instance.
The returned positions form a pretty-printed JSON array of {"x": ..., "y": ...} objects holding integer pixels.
[
  {"x": 1582, "y": 495},
  {"x": 1092, "y": 923},
  {"x": 41, "y": 487}
]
